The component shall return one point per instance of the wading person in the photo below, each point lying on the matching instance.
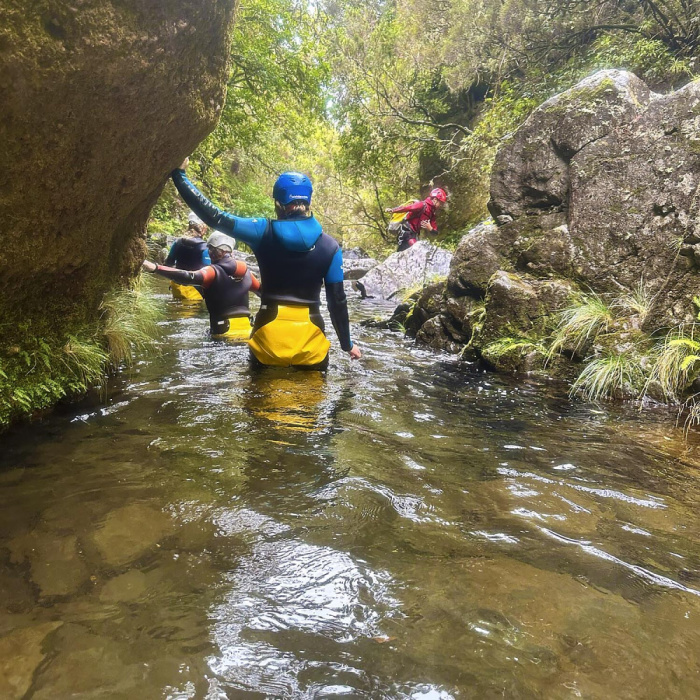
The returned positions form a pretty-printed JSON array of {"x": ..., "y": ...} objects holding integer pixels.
[
  {"x": 189, "y": 253},
  {"x": 296, "y": 258},
  {"x": 418, "y": 216},
  {"x": 225, "y": 285}
]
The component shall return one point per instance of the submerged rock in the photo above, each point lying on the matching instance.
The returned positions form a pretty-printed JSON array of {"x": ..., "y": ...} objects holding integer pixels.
[
  {"x": 56, "y": 566},
  {"x": 409, "y": 269},
  {"x": 130, "y": 532},
  {"x": 125, "y": 588},
  {"x": 21, "y": 653},
  {"x": 88, "y": 665}
]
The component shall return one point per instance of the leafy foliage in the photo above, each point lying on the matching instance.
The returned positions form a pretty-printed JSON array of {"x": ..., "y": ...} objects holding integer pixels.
[
  {"x": 378, "y": 101},
  {"x": 677, "y": 361}
]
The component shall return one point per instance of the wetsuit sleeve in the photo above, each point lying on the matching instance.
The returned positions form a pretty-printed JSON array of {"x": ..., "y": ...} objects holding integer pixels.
[
  {"x": 255, "y": 284},
  {"x": 206, "y": 260},
  {"x": 337, "y": 301},
  {"x": 250, "y": 231},
  {"x": 200, "y": 278},
  {"x": 170, "y": 260}
]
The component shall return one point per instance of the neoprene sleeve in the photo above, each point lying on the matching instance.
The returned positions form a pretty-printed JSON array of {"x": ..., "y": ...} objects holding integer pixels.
[
  {"x": 250, "y": 231},
  {"x": 180, "y": 276},
  {"x": 338, "y": 310}
]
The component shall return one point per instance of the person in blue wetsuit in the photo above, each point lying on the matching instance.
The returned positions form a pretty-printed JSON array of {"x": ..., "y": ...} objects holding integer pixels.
[
  {"x": 189, "y": 253},
  {"x": 295, "y": 258}
]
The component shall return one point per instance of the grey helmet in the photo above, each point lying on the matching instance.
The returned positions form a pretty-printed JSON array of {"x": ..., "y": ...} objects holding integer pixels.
[
  {"x": 192, "y": 218},
  {"x": 221, "y": 241}
]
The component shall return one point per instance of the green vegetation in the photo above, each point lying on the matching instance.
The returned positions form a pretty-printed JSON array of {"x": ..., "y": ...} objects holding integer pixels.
[
  {"x": 580, "y": 325},
  {"x": 676, "y": 361},
  {"x": 503, "y": 348},
  {"x": 624, "y": 361},
  {"x": 380, "y": 100},
  {"x": 614, "y": 375},
  {"x": 41, "y": 369}
]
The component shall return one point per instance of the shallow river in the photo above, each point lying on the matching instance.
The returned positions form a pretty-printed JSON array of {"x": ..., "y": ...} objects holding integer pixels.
[{"x": 405, "y": 527}]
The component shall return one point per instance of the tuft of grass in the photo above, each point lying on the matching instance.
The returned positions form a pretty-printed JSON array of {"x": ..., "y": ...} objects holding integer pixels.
[
  {"x": 677, "y": 361},
  {"x": 638, "y": 301},
  {"x": 39, "y": 371},
  {"x": 581, "y": 323},
  {"x": 129, "y": 318},
  {"x": 85, "y": 360},
  {"x": 607, "y": 376}
]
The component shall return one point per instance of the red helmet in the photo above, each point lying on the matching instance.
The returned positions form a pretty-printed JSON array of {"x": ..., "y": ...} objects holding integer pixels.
[{"x": 439, "y": 194}]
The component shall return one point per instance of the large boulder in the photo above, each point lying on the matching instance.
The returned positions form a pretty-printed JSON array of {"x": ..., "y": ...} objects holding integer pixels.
[
  {"x": 477, "y": 257},
  {"x": 100, "y": 100},
  {"x": 598, "y": 191},
  {"x": 635, "y": 204},
  {"x": 421, "y": 264},
  {"x": 531, "y": 172}
]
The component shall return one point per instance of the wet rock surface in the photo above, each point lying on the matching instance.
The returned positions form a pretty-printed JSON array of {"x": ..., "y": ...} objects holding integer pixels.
[
  {"x": 55, "y": 563},
  {"x": 100, "y": 101},
  {"x": 21, "y": 653},
  {"x": 404, "y": 270},
  {"x": 129, "y": 532},
  {"x": 597, "y": 190}
]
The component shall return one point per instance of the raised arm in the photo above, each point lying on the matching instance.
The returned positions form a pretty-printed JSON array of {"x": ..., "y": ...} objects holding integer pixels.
[
  {"x": 416, "y": 206},
  {"x": 249, "y": 231}
]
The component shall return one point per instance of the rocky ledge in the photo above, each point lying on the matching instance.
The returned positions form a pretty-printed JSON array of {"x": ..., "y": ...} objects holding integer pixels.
[{"x": 596, "y": 196}]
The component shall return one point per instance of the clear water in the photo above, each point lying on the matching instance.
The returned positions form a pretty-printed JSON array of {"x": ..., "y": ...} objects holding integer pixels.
[{"x": 403, "y": 528}]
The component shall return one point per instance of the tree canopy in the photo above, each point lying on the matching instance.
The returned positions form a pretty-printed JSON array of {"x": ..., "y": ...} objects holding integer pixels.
[{"x": 380, "y": 100}]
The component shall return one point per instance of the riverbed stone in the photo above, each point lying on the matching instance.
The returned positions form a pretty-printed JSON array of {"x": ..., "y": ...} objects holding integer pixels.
[
  {"x": 432, "y": 333},
  {"x": 130, "y": 532},
  {"x": 517, "y": 305},
  {"x": 55, "y": 562},
  {"x": 87, "y": 665},
  {"x": 409, "y": 269},
  {"x": 21, "y": 653},
  {"x": 428, "y": 304},
  {"x": 124, "y": 588}
]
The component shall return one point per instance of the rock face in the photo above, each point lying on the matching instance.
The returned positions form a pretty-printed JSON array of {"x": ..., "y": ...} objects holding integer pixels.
[
  {"x": 100, "y": 101},
  {"x": 418, "y": 265},
  {"x": 598, "y": 190}
]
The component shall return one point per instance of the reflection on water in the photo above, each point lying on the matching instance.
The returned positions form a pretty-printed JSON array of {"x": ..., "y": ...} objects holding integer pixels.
[{"x": 401, "y": 528}]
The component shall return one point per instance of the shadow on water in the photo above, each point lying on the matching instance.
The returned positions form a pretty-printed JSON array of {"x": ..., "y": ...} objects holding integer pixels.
[{"x": 404, "y": 527}]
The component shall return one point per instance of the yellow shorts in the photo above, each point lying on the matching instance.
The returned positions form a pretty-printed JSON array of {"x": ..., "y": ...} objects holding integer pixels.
[
  {"x": 290, "y": 339},
  {"x": 239, "y": 329},
  {"x": 184, "y": 292}
]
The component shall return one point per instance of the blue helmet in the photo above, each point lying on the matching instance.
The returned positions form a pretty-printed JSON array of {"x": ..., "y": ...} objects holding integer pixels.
[{"x": 292, "y": 187}]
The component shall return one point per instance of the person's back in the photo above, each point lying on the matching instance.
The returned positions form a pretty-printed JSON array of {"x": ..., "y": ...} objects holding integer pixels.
[
  {"x": 296, "y": 259},
  {"x": 189, "y": 252},
  {"x": 225, "y": 285}
]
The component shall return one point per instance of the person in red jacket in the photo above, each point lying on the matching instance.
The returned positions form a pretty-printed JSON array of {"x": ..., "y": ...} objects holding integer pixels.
[{"x": 419, "y": 216}]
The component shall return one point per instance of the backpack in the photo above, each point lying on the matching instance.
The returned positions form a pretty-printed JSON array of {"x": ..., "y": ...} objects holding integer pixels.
[{"x": 395, "y": 224}]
